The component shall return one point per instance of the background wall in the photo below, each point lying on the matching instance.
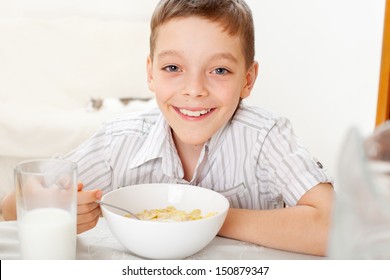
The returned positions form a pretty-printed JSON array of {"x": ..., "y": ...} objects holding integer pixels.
[
  {"x": 319, "y": 66},
  {"x": 319, "y": 59}
]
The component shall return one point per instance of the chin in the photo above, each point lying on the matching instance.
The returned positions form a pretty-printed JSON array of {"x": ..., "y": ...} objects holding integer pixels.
[
  {"x": 194, "y": 141},
  {"x": 192, "y": 138}
]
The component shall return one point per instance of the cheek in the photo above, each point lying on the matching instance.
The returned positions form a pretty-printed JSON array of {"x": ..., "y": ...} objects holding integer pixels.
[
  {"x": 167, "y": 88},
  {"x": 162, "y": 93},
  {"x": 230, "y": 95}
]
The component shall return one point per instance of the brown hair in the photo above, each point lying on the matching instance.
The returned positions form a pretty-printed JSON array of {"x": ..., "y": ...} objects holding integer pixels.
[{"x": 234, "y": 16}]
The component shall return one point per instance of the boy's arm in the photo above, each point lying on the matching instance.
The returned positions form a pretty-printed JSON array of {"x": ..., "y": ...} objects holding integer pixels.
[
  {"x": 303, "y": 228},
  {"x": 8, "y": 207}
]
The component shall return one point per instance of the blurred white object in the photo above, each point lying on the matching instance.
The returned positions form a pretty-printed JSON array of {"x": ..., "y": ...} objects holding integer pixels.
[
  {"x": 361, "y": 218},
  {"x": 164, "y": 240}
]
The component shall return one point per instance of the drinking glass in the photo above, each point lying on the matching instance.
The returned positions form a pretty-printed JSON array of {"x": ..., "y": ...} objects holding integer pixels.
[{"x": 46, "y": 204}]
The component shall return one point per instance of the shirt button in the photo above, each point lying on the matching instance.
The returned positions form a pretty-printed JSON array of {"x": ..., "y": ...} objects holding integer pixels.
[{"x": 320, "y": 164}]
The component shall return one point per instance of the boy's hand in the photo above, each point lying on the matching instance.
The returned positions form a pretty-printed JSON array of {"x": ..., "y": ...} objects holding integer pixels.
[{"x": 88, "y": 211}]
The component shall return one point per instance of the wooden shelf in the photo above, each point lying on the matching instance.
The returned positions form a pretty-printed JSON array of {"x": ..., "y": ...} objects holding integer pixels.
[{"x": 383, "y": 105}]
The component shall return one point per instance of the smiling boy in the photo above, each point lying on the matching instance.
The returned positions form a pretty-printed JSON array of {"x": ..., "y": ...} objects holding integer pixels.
[
  {"x": 201, "y": 65},
  {"x": 198, "y": 75}
]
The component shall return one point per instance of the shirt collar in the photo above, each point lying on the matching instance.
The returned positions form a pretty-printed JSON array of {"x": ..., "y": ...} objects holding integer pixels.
[
  {"x": 216, "y": 140},
  {"x": 159, "y": 144}
]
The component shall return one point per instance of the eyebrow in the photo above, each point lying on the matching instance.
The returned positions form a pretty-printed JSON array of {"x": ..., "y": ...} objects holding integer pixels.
[
  {"x": 227, "y": 56},
  {"x": 168, "y": 53},
  {"x": 222, "y": 55}
]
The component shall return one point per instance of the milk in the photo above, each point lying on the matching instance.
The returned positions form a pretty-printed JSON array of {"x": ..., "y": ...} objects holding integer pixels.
[{"x": 47, "y": 233}]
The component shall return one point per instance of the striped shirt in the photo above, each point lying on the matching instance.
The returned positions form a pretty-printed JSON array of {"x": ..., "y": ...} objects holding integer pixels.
[{"x": 255, "y": 161}]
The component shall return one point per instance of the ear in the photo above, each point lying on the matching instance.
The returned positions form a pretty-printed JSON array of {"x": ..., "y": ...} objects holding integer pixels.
[
  {"x": 149, "y": 71},
  {"x": 250, "y": 78}
]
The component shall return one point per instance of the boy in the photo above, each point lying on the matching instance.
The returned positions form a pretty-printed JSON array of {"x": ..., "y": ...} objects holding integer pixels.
[{"x": 201, "y": 65}]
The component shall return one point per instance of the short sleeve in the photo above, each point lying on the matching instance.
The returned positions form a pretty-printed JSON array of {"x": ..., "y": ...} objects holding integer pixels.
[{"x": 286, "y": 165}]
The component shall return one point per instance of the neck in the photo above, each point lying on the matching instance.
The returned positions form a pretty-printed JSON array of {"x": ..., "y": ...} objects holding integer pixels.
[{"x": 189, "y": 156}]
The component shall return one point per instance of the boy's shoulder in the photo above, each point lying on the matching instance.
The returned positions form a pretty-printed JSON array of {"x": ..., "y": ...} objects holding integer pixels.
[
  {"x": 256, "y": 118},
  {"x": 134, "y": 122}
]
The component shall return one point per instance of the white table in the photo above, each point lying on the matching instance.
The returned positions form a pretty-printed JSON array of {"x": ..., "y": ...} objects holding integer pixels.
[{"x": 100, "y": 244}]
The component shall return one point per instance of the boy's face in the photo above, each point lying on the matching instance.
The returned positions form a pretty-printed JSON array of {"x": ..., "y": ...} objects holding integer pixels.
[{"x": 198, "y": 75}]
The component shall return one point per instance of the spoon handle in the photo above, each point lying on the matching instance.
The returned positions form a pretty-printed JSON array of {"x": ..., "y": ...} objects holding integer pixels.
[{"x": 119, "y": 208}]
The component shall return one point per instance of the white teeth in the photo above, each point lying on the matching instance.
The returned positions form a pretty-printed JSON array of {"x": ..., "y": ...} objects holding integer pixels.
[{"x": 194, "y": 113}]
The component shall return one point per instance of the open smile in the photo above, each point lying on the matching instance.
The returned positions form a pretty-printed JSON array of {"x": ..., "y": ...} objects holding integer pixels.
[{"x": 194, "y": 113}]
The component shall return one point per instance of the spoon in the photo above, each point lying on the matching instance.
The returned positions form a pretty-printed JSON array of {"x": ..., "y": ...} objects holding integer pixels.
[{"x": 119, "y": 208}]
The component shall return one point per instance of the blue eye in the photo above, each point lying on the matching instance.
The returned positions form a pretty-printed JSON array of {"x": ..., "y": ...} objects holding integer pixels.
[
  {"x": 221, "y": 71},
  {"x": 171, "y": 68}
]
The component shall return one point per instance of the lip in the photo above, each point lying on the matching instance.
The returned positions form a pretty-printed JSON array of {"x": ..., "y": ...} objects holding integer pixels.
[{"x": 199, "y": 113}]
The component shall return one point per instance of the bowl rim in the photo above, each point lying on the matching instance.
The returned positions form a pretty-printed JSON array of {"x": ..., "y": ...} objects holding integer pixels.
[{"x": 217, "y": 215}]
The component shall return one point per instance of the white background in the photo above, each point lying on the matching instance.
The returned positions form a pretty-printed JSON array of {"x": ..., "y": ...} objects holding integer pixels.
[{"x": 320, "y": 65}]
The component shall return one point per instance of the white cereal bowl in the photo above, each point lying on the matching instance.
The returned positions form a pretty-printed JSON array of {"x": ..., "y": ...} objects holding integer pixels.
[{"x": 158, "y": 239}]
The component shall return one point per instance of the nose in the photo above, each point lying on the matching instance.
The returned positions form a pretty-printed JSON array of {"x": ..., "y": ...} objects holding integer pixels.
[{"x": 195, "y": 85}]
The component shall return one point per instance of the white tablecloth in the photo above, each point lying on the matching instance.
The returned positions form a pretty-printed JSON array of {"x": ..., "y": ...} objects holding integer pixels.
[{"x": 99, "y": 243}]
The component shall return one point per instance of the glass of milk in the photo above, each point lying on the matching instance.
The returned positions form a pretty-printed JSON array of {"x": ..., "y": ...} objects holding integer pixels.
[{"x": 46, "y": 200}]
